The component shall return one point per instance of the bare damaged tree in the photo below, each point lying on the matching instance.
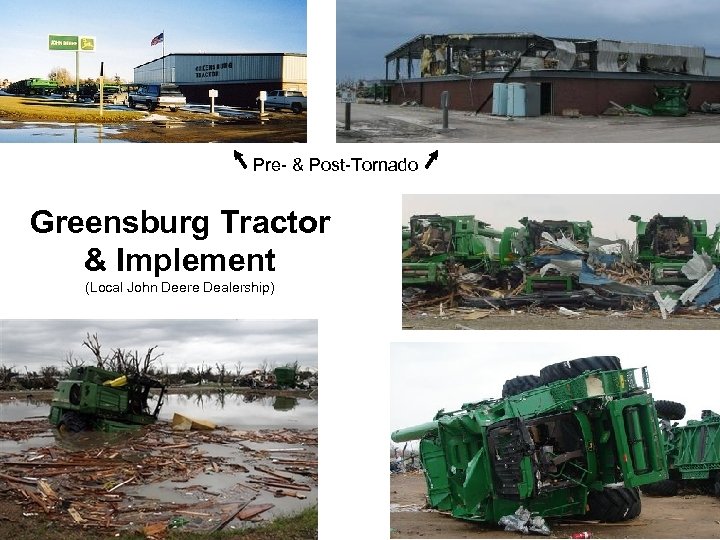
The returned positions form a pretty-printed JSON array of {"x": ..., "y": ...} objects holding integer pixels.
[
  {"x": 121, "y": 360},
  {"x": 264, "y": 366},
  {"x": 238, "y": 368},
  {"x": 221, "y": 372},
  {"x": 149, "y": 360},
  {"x": 203, "y": 372},
  {"x": 71, "y": 361},
  {"x": 6, "y": 373},
  {"x": 93, "y": 343}
]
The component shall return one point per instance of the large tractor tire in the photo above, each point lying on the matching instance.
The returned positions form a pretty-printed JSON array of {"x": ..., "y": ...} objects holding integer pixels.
[
  {"x": 520, "y": 384},
  {"x": 573, "y": 368},
  {"x": 614, "y": 504},
  {"x": 72, "y": 422},
  {"x": 670, "y": 410},
  {"x": 663, "y": 488}
]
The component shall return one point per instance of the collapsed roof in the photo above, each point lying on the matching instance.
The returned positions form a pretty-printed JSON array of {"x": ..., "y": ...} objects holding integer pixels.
[{"x": 428, "y": 55}]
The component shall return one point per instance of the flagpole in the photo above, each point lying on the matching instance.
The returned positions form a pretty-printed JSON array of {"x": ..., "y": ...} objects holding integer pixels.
[{"x": 163, "y": 42}]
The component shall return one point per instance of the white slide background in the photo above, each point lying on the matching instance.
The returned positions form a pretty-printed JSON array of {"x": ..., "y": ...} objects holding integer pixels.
[{"x": 347, "y": 278}]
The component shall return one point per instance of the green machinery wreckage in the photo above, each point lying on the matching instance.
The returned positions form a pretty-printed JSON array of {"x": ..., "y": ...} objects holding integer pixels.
[
  {"x": 95, "y": 398},
  {"x": 577, "y": 440},
  {"x": 665, "y": 244},
  {"x": 692, "y": 450},
  {"x": 436, "y": 248}
]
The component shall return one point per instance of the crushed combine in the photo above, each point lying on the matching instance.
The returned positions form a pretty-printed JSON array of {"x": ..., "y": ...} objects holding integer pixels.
[
  {"x": 460, "y": 260},
  {"x": 577, "y": 440}
]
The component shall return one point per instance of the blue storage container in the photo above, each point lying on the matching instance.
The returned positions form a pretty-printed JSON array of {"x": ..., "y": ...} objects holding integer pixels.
[
  {"x": 500, "y": 99},
  {"x": 523, "y": 99}
]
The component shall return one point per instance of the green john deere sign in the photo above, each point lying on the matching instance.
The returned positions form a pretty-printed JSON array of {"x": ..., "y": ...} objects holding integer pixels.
[{"x": 71, "y": 43}]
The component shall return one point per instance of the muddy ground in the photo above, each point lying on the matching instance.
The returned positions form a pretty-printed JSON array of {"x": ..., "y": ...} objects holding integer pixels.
[
  {"x": 683, "y": 516},
  {"x": 551, "y": 319},
  {"x": 183, "y": 126}
]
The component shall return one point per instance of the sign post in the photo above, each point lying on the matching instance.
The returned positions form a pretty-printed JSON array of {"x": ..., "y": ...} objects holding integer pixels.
[
  {"x": 263, "y": 98},
  {"x": 348, "y": 97},
  {"x": 101, "y": 88},
  {"x": 445, "y": 103},
  {"x": 213, "y": 94},
  {"x": 58, "y": 42}
]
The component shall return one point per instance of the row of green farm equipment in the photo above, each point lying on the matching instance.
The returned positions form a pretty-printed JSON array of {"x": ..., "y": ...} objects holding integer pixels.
[
  {"x": 437, "y": 249},
  {"x": 581, "y": 439}
]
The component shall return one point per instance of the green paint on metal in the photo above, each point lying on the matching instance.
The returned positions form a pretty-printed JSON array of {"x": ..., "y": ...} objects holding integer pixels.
[
  {"x": 434, "y": 245},
  {"x": 664, "y": 244},
  {"x": 57, "y": 42},
  {"x": 285, "y": 376},
  {"x": 671, "y": 100},
  {"x": 693, "y": 450},
  {"x": 83, "y": 400},
  {"x": 545, "y": 449},
  {"x": 63, "y": 43}
]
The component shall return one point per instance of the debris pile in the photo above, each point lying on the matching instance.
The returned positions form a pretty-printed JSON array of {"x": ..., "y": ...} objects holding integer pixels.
[
  {"x": 99, "y": 487},
  {"x": 523, "y": 522},
  {"x": 458, "y": 261}
]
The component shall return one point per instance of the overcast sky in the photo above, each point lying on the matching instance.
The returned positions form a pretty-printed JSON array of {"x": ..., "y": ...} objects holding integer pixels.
[
  {"x": 427, "y": 377},
  {"x": 36, "y": 343},
  {"x": 123, "y": 32},
  {"x": 608, "y": 213},
  {"x": 369, "y": 29}
]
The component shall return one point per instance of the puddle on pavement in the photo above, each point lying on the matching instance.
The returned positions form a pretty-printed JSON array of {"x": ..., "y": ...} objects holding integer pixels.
[{"x": 26, "y": 132}]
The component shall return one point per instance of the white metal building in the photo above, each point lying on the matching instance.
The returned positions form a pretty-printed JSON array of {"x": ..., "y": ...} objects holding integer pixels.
[{"x": 238, "y": 77}]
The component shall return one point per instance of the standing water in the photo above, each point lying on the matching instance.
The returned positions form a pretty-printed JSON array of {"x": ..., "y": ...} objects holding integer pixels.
[{"x": 25, "y": 132}]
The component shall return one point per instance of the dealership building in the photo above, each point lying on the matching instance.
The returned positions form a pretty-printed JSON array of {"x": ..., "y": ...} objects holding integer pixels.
[
  {"x": 238, "y": 77},
  {"x": 570, "y": 73}
]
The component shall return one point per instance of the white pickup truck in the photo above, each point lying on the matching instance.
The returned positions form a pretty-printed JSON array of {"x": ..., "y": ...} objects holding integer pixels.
[
  {"x": 152, "y": 96},
  {"x": 286, "y": 99}
]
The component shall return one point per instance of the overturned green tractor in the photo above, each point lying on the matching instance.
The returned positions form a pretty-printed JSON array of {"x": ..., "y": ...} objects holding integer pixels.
[
  {"x": 578, "y": 440},
  {"x": 97, "y": 399}
]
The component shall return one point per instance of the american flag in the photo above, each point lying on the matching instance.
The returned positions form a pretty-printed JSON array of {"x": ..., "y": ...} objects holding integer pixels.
[{"x": 158, "y": 39}]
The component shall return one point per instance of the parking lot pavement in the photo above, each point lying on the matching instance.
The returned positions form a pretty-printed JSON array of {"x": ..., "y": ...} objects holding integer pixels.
[{"x": 394, "y": 123}]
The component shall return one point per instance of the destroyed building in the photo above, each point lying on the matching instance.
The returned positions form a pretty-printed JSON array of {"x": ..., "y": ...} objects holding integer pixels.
[{"x": 578, "y": 74}]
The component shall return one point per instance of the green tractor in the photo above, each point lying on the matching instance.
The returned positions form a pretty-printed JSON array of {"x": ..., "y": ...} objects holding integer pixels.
[
  {"x": 664, "y": 244},
  {"x": 435, "y": 247},
  {"x": 693, "y": 451},
  {"x": 578, "y": 440},
  {"x": 98, "y": 399}
]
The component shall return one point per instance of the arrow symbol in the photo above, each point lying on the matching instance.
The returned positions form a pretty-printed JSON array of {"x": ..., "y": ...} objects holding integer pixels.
[
  {"x": 433, "y": 157},
  {"x": 238, "y": 156}
]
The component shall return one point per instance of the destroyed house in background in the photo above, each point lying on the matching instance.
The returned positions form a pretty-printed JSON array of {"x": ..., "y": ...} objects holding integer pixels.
[{"x": 571, "y": 73}]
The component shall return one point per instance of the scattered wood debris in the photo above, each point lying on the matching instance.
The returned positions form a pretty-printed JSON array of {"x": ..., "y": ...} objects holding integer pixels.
[{"x": 93, "y": 487}]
